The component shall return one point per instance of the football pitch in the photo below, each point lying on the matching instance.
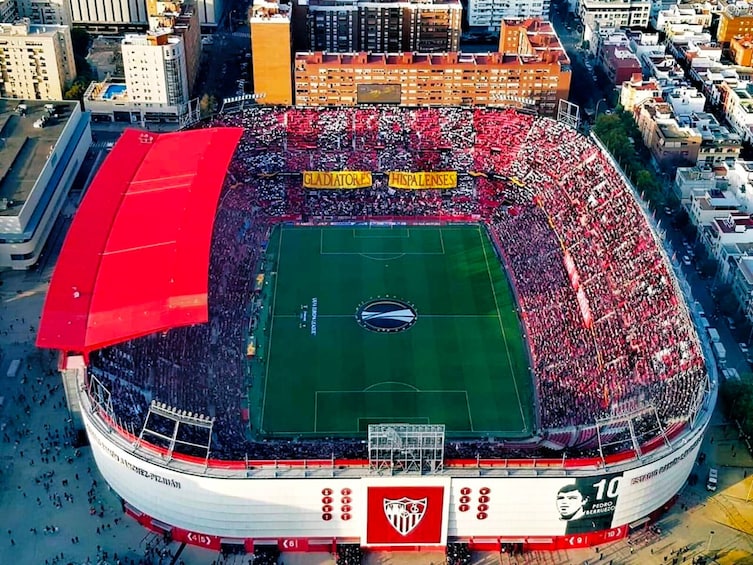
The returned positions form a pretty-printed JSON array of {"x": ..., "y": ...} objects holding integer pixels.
[{"x": 388, "y": 324}]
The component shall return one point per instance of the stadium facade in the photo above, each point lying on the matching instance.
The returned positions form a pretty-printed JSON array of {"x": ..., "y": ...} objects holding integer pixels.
[{"x": 573, "y": 485}]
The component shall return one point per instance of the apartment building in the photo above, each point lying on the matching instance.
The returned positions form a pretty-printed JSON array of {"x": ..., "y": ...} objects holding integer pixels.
[
  {"x": 428, "y": 26},
  {"x": 636, "y": 91},
  {"x": 741, "y": 49},
  {"x": 531, "y": 70},
  {"x": 182, "y": 19},
  {"x": 271, "y": 51},
  {"x": 36, "y": 61},
  {"x": 597, "y": 14},
  {"x": 671, "y": 144},
  {"x": 486, "y": 15},
  {"x": 735, "y": 18}
]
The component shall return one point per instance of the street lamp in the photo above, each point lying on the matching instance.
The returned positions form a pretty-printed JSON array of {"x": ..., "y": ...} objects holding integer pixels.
[
  {"x": 596, "y": 112},
  {"x": 708, "y": 545}
]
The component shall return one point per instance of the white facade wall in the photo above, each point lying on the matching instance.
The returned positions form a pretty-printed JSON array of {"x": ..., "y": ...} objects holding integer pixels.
[
  {"x": 231, "y": 504},
  {"x": 36, "y": 62},
  {"x": 74, "y": 139},
  {"x": 113, "y": 12},
  {"x": 155, "y": 74},
  {"x": 597, "y": 14},
  {"x": 488, "y": 14}
]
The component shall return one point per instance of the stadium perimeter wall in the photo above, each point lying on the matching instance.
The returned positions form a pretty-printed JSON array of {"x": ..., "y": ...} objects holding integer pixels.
[{"x": 313, "y": 509}]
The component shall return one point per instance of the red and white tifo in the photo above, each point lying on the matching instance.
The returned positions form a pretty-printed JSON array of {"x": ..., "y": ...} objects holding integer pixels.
[{"x": 156, "y": 233}]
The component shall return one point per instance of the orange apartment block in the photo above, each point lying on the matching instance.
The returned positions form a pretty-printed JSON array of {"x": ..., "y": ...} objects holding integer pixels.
[
  {"x": 271, "y": 52},
  {"x": 531, "y": 71},
  {"x": 734, "y": 20},
  {"x": 741, "y": 48}
]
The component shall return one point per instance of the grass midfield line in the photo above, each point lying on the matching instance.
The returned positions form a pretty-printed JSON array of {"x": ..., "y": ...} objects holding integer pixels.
[{"x": 504, "y": 333}]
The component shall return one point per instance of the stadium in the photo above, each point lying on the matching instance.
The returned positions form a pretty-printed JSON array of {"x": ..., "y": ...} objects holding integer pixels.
[{"x": 377, "y": 328}]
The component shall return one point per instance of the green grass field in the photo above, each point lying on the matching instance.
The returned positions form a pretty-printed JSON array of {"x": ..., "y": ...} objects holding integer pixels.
[{"x": 321, "y": 372}]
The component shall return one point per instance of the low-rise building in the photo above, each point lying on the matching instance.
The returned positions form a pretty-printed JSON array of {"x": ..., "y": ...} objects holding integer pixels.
[
  {"x": 43, "y": 147},
  {"x": 711, "y": 204},
  {"x": 619, "y": 64},
  {"x": 742, "y": 285},
  {"x": 636, "y": 91},
  {"x": 737, "y": 104},
  {"x": 670, "y": 143},
  {"x": 694, "y": 14},
  {"x": 697, "y": 179},
  {"x": 718, "y": 143},
  {"x": 686, "y": 100},
  {"x": 741, "y": 49}
]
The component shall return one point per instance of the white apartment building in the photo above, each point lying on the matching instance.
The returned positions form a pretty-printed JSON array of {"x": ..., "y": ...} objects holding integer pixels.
[
  {"x": 36, "y": 61},
  {"x": 693, "y": 14},
  {"x": 686, "y": 100},
  {"x": 155, "y": 69},
  {"x": 597, "y": 14},
  {"x": 47, "y": 12},
  {"x": 488, "y": 14}
]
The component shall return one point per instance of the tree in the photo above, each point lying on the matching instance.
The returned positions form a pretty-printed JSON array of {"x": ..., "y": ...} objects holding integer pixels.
[{"x": 81, "y": 41}]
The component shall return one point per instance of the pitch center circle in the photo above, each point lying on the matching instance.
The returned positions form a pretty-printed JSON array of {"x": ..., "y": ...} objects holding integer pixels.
[{"x": 386, "y": 315}]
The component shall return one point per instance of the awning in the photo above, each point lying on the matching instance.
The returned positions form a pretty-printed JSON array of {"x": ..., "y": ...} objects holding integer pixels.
[{"x": 136, "y": 258}]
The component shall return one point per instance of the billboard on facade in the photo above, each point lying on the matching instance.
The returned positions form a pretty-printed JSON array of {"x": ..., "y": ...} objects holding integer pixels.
[{"x": 378, "y": 94}]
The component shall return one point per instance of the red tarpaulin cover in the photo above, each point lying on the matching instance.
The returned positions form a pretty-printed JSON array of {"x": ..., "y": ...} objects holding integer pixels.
[{"x": 136, "y": 258}]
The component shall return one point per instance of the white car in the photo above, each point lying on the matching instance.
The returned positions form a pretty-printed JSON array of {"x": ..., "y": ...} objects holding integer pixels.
[
  {"x": 743, "y": 348},
  {"x": 686, "y": 260}
]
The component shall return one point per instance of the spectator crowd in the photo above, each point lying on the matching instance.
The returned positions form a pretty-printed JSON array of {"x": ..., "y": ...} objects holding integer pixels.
[{"x": 605, "y": 323}]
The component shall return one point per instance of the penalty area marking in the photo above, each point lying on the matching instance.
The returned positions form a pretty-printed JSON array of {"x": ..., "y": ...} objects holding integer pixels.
[
  {"x": 366, "y": 391},
  {"x": 409, "y": 386}
]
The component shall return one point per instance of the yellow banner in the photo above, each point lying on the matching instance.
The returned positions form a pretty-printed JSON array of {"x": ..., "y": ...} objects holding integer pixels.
[
  {"x": 420, "y": 181},
  {"x": 336, "y": 179}
]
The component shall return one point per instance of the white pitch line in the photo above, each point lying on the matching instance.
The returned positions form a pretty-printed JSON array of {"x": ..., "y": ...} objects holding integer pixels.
[{"x": 271, "y": 326}]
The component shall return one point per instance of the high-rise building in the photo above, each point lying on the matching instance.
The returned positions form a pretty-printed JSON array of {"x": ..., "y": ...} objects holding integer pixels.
[
  {"x": 183, "y": 19},
  {"x": 487, "y": 14},
  {"x": 271, "y": 51},
  {"x": 429, "y": 26},
  {"x": 532, "y": 70},
  {"x": 36, "y": 61},
  {"x": 49, "y": 12},
  {"x": 155, "y": 68}
]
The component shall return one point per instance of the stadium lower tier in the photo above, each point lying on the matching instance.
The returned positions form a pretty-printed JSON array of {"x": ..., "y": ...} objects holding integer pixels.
[{"x": 296, "y": 508}]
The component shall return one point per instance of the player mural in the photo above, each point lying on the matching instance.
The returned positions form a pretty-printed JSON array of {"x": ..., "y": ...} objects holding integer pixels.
[{"x": 588, "y": 504}]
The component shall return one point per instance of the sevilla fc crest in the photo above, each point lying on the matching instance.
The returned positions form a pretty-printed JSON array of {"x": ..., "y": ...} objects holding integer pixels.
[{"x": 405, "y": 513}]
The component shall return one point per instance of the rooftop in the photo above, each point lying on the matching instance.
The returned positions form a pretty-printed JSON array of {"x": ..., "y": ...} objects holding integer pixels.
[{"x": 24, "y": 148}]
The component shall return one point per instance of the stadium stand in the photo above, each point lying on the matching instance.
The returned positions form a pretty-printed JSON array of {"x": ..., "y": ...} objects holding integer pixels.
[{"x": 605, "y": 323}]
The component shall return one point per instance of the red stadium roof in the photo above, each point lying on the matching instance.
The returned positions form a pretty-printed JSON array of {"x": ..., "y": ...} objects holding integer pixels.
[{"x": 136, "y": 258}]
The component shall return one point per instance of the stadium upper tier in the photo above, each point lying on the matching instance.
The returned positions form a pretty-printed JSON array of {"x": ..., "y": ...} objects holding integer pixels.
[{"x": 606, "y": 325}]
